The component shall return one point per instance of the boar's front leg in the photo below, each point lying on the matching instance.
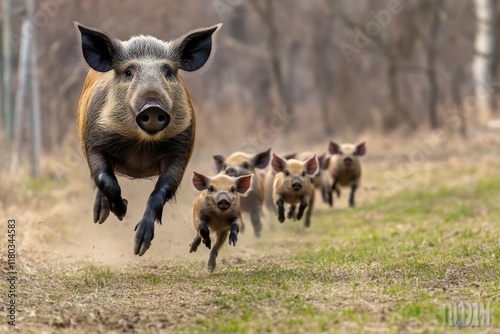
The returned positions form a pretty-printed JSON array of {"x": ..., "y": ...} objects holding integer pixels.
[
  {"x": 164, "y": 190},
  {"x": 108, "y": 196}
]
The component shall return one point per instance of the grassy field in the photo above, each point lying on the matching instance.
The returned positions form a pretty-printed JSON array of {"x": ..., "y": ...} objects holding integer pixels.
[{"x": 387, "y": 266}]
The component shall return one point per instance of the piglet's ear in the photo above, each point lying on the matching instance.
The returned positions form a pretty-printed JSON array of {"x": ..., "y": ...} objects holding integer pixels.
[
  {"x": 333, "y": 147},
  {"x": 261, "y": 160},
  {"x": 278, "y": 164},
  {"x": 219, "y": 163},
  {"x": 324, "y": 161},
  {"x": 361, "y": 149},
  {"x": 196, "y": 47},
  {"x": 243, "y": 183},
  {"x": 99, "y": 51},
  {"x": 312, "y": 165},
  {"x": 200, "y": 181}
]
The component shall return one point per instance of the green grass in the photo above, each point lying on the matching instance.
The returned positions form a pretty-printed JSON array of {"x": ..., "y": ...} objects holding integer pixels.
[{"x": 390, "y": 264}]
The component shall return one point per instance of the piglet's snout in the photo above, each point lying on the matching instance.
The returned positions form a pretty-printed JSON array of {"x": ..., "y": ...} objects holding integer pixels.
[{"x": 223, "y": 201}]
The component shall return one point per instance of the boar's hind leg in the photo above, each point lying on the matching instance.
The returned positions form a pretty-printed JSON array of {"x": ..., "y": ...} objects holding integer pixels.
[
  {"x": 107, "y": 184},
  {"x": 101, "y": 208},
  {"x": 221, "y": 238}
]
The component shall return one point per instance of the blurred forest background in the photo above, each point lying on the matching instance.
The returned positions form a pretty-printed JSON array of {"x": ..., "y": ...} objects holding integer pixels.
[{"x": 308, "y": 70}]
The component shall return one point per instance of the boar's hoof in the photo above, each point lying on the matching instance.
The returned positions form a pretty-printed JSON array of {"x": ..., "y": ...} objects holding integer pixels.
[
  {"x": 193, "y": 247},
  {"x": 119, "y": 208},
  {"x": 233, "y": 237},
  {"x": 143, "y": 237},
  {"x": 207, "y": 242},
  {"x": 211, "y": 264},
  {"x": 101, "y": 208}
]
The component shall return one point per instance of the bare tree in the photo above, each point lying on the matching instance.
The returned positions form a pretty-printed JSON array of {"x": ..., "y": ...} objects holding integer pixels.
[
  {"x": 482, "y": 64},
  {"x": 7, "y": 94},
  {"x": 265, "y": 11}
]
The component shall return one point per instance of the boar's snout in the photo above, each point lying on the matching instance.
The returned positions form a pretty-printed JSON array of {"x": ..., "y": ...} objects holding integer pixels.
[
  {"x": 152, "y": 118},
  {"x": 223, "y": 202},
  {"x": 348, "y": 161}
]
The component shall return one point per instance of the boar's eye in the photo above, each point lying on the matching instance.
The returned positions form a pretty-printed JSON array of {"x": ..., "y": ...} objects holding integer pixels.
[
  {"x": 246, "y": 165},
  {"x": 168, "y": 72},
  {"x": 287, "y": 173},
  {"x": 232, "y": 190},
  {"x": 211, "y": 189},
  {"x": 128, "y": 73},
  {"x": 303, "y": 174}
]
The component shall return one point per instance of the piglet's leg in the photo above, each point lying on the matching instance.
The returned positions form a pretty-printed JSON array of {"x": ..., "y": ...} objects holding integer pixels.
[
  {"x": 302, "y": 206},
  {"x": 221, "y": 239},
  {"x": 354, "y": 186},
  {"x": 281, "y": 210},
  {"x": 193, "y": 247}
]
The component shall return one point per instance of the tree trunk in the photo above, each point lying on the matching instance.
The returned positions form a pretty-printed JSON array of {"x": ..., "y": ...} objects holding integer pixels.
[
  {"x": 24, "y": 63},
  {"x": 266, "y": 14},
  {"x": 36, "y": 134},
  {"x": 7, "y": 93},
  {"x": 431, "y": 64},
  {"x": 482, "y": 64}
]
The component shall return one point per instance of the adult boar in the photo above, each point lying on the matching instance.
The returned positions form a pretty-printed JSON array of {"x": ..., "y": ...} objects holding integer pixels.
[{"x": 136, "y": 118}]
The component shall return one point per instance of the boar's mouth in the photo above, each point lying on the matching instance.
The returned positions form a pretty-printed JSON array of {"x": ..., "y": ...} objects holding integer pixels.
[{"x": 152, "y": 118}]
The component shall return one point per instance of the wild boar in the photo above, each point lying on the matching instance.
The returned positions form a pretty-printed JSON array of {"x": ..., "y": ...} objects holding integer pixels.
[
  {"x": 217, "y": 210},
  {"x": 345, "y": 168},
  {"x": 238, "y": 164},
  {"x": 136, "y": 118},
  {"x": 292, "y": 185}
]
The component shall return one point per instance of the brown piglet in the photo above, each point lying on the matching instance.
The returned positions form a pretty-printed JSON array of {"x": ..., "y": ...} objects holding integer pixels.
[
  {"x": 293, "y": 186},
  {"x": 345, "y": 168},
  {"x": 217, "y": 210}
]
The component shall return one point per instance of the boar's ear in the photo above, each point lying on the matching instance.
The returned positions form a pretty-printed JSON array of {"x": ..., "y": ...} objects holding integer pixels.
[
  {"x": 360, "y": 149},
  {"x": 278, "y": 164},
  {"x": 261, "y": 160},
  {"x": 311, "y": 165},
  {"x": 200, "y": 181},
  {"x": 324, "y": 161},
  {"x": 98, "y": 49},
  {"x": 243, "y": 183},
  {"x": 333, "y": 147},
  {"x": 219, "y": 163},
  {"x": 196, "y": 47},
  {"x": 289, "y": 156}
]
